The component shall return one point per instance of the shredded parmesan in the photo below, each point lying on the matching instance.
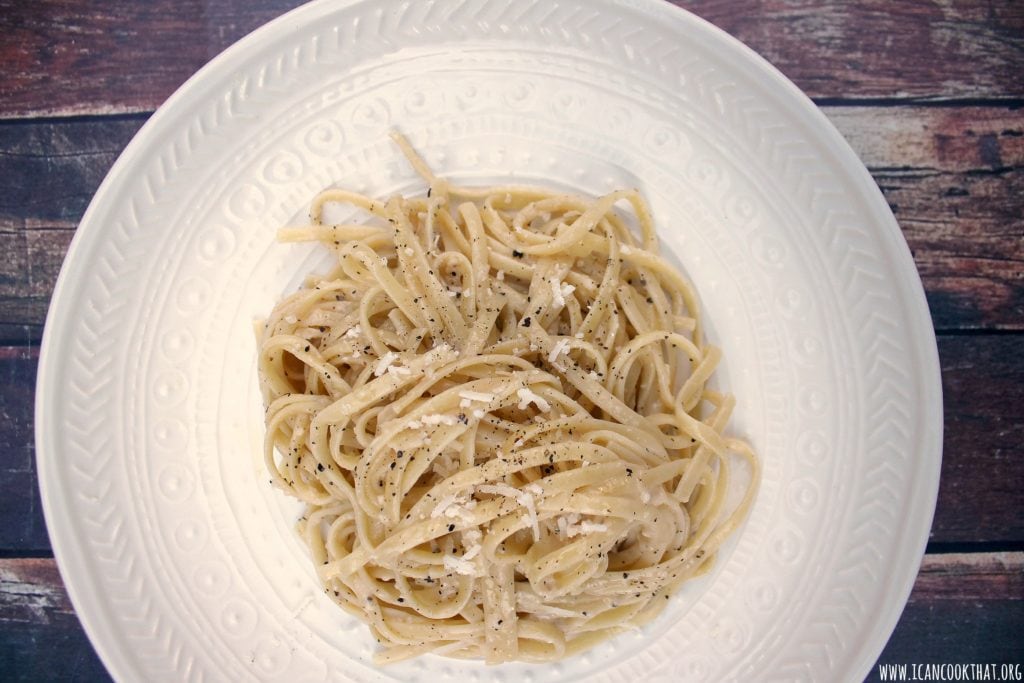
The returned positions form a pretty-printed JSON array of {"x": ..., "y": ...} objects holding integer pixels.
[
  {"x": 526, "y": 397},
  {"x": 558, "y": 350},
  {"x": 523, "y": 497},
  {"x": 439, "y": 419},
  {"x": 570, "y": 526},
  {"x": 384, "y": 363},
  {"x": 557, "y": 300},
  {"x": 444, "y": 504},
  {"x": 458, "y": 506},
  {"x": 459, "y": 565}
]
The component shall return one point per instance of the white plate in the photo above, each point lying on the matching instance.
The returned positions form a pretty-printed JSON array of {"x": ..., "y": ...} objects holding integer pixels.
[{"x": 180, "y": 559}]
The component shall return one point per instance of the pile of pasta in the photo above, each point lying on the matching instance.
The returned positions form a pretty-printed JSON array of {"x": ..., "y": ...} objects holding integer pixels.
[{"x": 496, "y": 409}]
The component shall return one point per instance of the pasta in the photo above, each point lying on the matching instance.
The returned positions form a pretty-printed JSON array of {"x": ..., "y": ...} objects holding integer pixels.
[{"x": 496, "y": 410}]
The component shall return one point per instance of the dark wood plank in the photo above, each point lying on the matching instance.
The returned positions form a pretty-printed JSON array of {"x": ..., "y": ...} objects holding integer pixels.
[
  {"x": 48, "y": 174},
  {"x": 67, "y": 57},
  {"x": 42, "y": 638},
  {"x": 963, "y": 609},
  {"x": 953, "y": 175},
  {"x": 902, "y": 49},
  {"x": 22, "y": 529},
  {"x": 980, "y": 497}
]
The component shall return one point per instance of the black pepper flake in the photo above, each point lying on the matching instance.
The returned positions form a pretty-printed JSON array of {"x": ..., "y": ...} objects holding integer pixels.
[
  {"x": 401, "y": 599},
  {"x": 451, "y": 527},
  {"x": 319, "y": 467},
  {"x": 516, "y": 253},
  {"x": 526, "y": 321}
]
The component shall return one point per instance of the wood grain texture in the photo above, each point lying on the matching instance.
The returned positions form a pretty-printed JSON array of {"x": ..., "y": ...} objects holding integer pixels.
[
  {"x": 954, "y": 177},
  {"x": 68, "y": 57},
  {"x": 891, "y": 49},
  {"x": 22, "y": 529},
  {"x": 48, "y": 174},
  {"x": 980, "y": 497},
  {"x": 964, "y": 608},
  {"x": 42, "y": 638},
  {"x": 980, "y": 493}
]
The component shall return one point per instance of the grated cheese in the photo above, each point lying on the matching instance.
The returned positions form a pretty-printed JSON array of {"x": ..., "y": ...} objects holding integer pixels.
[
  {"x": 526, "y": 397},
  {"x": 455, "y": 506},
  {"x": 561, "y": 347},
  {"x": 384, "y": 363},
  {"x": 523, "y": 497},
  {"x": 439, "y": 419},
  {"x": 557, "y": 300},
  {"x": 570, "y": 526},
  {"x": 459, "y": 565}
]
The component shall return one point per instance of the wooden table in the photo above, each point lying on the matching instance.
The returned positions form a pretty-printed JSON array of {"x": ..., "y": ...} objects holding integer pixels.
[{"x": 930, "y": 95}]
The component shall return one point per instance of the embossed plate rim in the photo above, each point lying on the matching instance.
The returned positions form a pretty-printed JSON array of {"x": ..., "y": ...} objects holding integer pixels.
[{"x": 92, "y": 608}]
